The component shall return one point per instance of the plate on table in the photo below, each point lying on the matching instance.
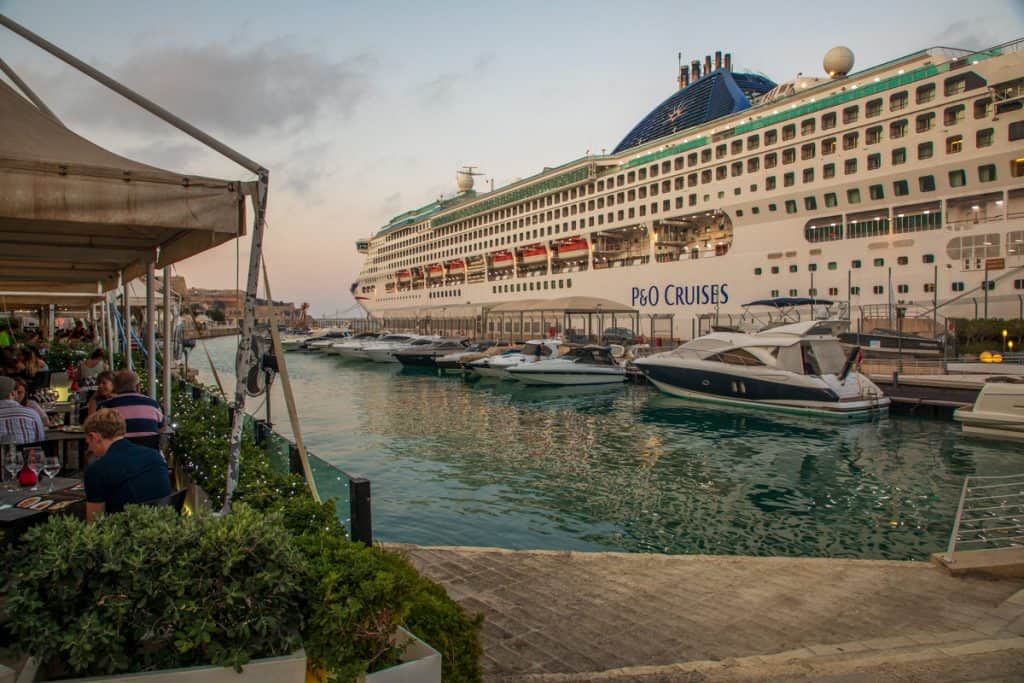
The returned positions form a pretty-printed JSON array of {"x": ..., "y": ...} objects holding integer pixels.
[
  {"x": 42, "y": 505},
  {"x": 29, "y": 502},
  {"x": 72, "y": 429},
  {"x": 61, "y": 504}
]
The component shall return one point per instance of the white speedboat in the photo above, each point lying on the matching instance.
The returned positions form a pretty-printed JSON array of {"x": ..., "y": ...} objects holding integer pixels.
[
  {"x": 384, "y": 352},
  {"x": 798, "y": 368},
  {"x": 583, "y": 365},
  {"x": 456, "y": 362},
  {"x": 319, "y": 343},
  {"x": 532, "y": 351},
  {"x": 352, "y": 348},
  {"x": 998, "y": 412}
]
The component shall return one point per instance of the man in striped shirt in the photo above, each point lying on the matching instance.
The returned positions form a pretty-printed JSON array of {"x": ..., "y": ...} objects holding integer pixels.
[
  {"x": 17, "y": 420},
  {"x": 141, "y": 413}
]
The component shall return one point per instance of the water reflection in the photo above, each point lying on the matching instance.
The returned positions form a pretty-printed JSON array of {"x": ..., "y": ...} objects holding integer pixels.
[{"x": 627, "y": 468}]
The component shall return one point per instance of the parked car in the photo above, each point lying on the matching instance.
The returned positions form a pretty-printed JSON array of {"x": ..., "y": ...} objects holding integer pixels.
[{"x": 618, "y": 335}]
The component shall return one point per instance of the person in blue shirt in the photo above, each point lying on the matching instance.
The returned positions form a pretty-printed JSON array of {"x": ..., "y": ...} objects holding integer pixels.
[{"x": 125, "y": 472}]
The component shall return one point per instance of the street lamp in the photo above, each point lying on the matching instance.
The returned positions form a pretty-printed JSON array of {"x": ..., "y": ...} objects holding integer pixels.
[{"x": 1004, "y": 339}]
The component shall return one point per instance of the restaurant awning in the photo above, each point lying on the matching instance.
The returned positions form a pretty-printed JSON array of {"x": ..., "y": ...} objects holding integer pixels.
[{"x": 74, "y": 215}]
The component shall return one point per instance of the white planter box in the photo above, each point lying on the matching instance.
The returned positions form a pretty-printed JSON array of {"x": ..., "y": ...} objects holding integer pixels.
[
  {"x": 286, "y": 669},
  {"x": 420, "y": 663}
]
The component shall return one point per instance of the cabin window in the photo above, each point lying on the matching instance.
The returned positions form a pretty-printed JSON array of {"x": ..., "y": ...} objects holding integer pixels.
[
  {"x": 987, "y": 173},
  {"x": 924, "y": 122},
  {"x": 828, "y": 121},
  {"x": 925, "y": 93},
  {"x": 828, "y": 171},
  {"x": 850, "y": 114},
  {"x": 899, "y": 156},
  {"x": 789, "y": 131},
  {"x": 898, "y": 101},
  {"x": 753, "y": 142},
  {"x": 873, "y": 108},
  {"x": 736, "y": 357},
  {"x": 984, "y": 138},
  {"x": 925, "y": 150}
]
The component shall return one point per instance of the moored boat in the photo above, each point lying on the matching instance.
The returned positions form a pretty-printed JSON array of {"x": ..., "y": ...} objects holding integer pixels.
[
  {"x": 998, "y": 412},
  {"x": 497, "y": 366},
  {"x": 798, "y": 368},
  {"x": 579, "y": 366},
  {"x": 425, "y": 356}
]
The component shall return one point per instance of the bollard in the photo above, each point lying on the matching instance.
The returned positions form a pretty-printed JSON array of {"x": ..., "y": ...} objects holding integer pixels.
[
  {"x": 359, "y": 509},
  {"x": 294, "y": 463}
]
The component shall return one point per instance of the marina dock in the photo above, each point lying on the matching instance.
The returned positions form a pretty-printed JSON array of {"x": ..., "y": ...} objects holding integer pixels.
[{"x": 569, "y": 616}]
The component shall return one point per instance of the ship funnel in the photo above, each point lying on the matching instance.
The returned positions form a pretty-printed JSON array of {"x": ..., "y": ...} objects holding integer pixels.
[
  {"x": 707, "y": 64},
  {"x": 718, "y": 60},
  {"x": 684, "y": 76},
  {"x": 695, "y": 69},
  {"x": 728, "y": 61}
]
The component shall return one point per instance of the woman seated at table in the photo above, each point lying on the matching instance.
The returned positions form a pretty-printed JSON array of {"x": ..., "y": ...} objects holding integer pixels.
[
  {"x": 125, "y": 472},
  {"x": 20, "y": 395},
  {"x": 92, "y": 366},
  {"x": 104, "y": 390}
]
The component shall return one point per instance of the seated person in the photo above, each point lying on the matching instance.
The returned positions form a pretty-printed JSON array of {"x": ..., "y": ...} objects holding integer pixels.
[
  {"x": 92, "y": 366},
  {"x": 141, "y": 413},
  {"x": 124, "y": 473},
  {"x": 17, "y": 420},
  {"x": 21, "y": 396},
  {"x": 104, "y": 391}
]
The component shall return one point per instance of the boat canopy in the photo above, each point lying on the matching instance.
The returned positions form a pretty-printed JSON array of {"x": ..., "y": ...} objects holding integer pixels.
[
  {"x": 571, "y": 304},
  {"x": 789, "y": 302}
]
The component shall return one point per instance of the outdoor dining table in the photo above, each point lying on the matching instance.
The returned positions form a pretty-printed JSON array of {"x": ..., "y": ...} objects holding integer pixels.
[{"x": 21, "y": 507}]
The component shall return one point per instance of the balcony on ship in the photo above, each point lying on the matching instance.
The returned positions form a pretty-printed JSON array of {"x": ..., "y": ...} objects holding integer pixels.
[
  {"x": 621, "y": 247},
  {"x": 702, "y": 235}
]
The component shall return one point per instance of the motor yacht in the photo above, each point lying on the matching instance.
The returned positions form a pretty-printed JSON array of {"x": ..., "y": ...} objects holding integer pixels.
[
  {"x": 455, "y": 362},
  {"x": 998, "y": 412},
  {"x": 425, "y": 356},
  {"x": 581, "y": 365},
  {"x": 322, "y": 342},
  {"x": 532, "y": 351},
  {"x": 384, "y": 351},
  {"x": 798, "y": 368},
  {"x": 355, "y": 348},
  {"x": 881, "y": 342}
]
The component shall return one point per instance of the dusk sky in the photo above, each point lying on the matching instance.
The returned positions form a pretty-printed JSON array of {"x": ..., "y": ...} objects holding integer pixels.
[{"x": 363, "y": 110}]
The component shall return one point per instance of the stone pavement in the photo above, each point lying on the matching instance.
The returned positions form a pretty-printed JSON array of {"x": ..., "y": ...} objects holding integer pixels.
[{"x": 567, "y": 616}]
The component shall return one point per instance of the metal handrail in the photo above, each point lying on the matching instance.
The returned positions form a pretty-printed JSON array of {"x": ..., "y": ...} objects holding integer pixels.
[{"x": 970, "y": 527}]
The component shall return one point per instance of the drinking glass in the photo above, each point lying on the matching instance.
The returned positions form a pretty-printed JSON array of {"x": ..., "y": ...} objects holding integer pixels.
[
  {"x": 34, "y": 460},
  {"x": 13, "y": 462},
  {"x": 51, "y": 467}
]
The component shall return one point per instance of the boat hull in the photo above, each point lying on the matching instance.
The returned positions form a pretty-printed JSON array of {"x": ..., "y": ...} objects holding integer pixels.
[
  {"x": 421, "y": 360},
  {"x": 533, "y": 377}
]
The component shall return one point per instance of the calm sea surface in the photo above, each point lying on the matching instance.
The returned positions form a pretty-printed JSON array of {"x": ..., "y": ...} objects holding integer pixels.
[{"x": 627, "y": 468}]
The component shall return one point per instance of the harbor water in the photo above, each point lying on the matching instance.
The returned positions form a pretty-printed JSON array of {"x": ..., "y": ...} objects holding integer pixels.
[{"x": 625, "y": 468}]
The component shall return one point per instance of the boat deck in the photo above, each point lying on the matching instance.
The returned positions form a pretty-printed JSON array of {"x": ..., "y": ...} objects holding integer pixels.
[{"x": 568, "y": 616}]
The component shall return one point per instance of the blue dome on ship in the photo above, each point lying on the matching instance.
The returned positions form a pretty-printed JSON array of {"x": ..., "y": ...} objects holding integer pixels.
[{"x": 717, "y": 94}]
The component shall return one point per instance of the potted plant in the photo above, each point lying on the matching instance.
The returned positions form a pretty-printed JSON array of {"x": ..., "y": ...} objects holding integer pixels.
[{"x": 150, "y": 593}]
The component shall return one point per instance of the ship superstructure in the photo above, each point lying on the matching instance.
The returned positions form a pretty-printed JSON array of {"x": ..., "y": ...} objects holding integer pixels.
[{"x": 900, "y": 184}]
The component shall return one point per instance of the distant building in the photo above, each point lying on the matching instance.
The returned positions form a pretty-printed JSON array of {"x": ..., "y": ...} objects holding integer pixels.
[{"x": 231, "y": 303}]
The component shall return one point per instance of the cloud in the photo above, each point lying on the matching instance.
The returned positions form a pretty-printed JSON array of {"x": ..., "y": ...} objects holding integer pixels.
[
  {"x": 441, "y": 91},
  {"x": 271, "y": 87},
  {"x": 976, "y": 33}
]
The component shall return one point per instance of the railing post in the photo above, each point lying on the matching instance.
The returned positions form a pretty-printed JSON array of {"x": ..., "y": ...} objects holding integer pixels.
[
  {"x": 359, "y": 505},
  {"x": 956, "y": 522}
]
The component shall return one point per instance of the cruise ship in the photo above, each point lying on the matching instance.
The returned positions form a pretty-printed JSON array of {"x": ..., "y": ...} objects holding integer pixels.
[{"x": 899, "y": 185}]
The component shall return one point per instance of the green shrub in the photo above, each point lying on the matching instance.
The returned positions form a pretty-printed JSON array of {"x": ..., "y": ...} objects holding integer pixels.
[{"x": 147, "y": 589}]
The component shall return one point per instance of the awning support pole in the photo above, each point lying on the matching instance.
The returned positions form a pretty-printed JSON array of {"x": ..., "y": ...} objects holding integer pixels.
[
  {"x": 27, "y": 91},
  {"x": 168, "y": 346},
  {"x": 151, "y": 329},
  {"x": 245, "y": 358},
  {"x": 127, "y": 324}
]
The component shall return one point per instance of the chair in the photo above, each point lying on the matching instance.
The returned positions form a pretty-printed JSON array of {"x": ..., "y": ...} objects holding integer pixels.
[{"x": 176, "y": 500}]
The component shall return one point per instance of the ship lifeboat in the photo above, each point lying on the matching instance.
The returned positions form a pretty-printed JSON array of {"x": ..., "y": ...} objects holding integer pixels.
[
  {"x": 435, "y": 272},
  {"x": 502, "y": 260},
  {"x": 573, "y": 249},
  {"x": 404, "y": 276},
  {"x": 535, "y": 255},
  {"x": 456, "y": 268}
]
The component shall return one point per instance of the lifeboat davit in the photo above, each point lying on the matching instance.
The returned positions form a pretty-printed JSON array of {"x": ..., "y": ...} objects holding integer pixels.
[
  {"x": 573, "y": 249},
  {"x": 535, "y": 255},
  {"x": 404, "y": 276},
  {"x": 502, "y": 260},
  {"x": 436, "y": 272}
]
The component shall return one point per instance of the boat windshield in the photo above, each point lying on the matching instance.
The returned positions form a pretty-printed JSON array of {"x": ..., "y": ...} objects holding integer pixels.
[
  {"x": 823, "y": 357},
  {"x": 590, "y": 356}
]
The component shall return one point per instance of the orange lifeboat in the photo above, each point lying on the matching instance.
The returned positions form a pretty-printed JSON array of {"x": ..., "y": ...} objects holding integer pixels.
[
  {"x": 456, "y": 268},
  {"x": 436, "y": 271},
  {"x": 501, "y": 260},
  {"x": 575, "y": 248},
  {"x": 404, "y": 276},
  {"x": 535, "y": 255}
]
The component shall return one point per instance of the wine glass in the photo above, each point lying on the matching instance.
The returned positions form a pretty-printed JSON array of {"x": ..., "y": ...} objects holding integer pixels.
[
  {"x": 34, "y": 460},
  {"x": 51, "y": 467},
  {"x": 13, "y": 462}
]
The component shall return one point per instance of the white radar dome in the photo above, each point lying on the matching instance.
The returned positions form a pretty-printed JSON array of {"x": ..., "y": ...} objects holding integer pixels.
[
  {"x": 838, "y": 62},
  {"x": 465, "y": 180}
]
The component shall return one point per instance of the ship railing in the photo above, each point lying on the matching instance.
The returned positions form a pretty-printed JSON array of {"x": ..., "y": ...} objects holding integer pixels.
[{"x": 990, "y": 515}]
